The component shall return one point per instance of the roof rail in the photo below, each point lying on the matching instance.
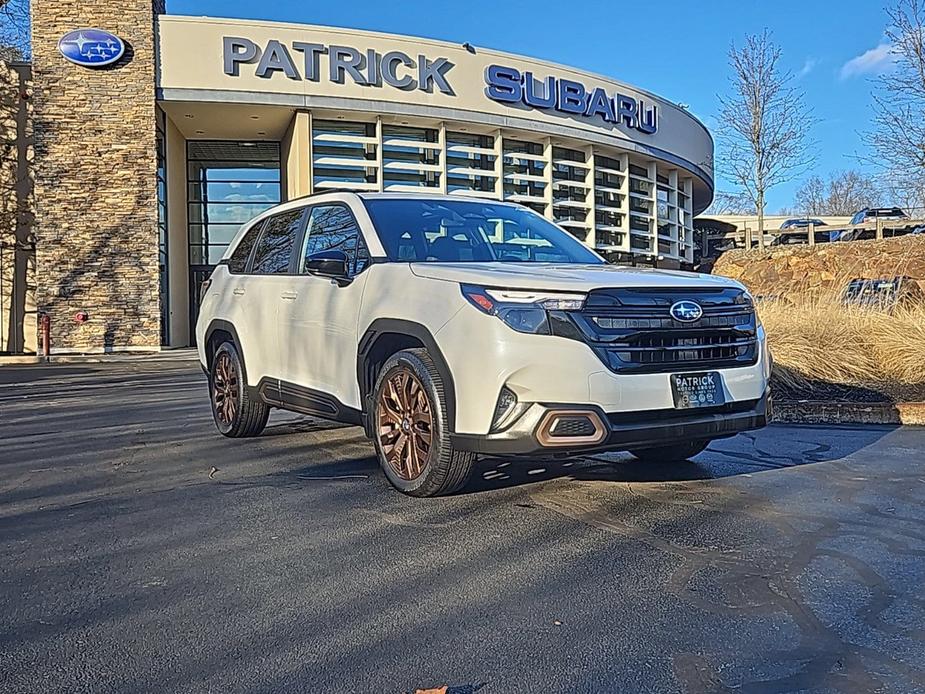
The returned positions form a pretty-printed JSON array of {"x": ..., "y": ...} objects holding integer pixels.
[{"x": 319, "y": 192}]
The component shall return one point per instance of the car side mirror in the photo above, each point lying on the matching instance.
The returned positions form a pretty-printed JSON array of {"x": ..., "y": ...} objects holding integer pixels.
[{"x": 328, "y": 264}]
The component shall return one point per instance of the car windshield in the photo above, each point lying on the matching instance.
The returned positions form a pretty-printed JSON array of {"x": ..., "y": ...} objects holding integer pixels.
[{"x": 450, "y": 231}]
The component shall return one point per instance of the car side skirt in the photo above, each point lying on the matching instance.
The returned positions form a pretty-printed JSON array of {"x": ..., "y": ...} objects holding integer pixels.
[{"x": 296, "y": 398}]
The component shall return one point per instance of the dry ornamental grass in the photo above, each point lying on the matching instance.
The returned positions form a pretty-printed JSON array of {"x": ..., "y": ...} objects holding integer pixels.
[{"x": 817, "y": 338}]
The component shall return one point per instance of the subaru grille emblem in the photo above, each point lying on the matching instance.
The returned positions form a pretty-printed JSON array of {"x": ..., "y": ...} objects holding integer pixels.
[
  {"x": 686, "y": 311},
  {"x": 91, "y": 47}
]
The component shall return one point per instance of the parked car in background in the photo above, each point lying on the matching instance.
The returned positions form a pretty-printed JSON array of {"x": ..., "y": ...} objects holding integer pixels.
[
  {"x": 871, "y": 214},
  {"x": 793, "y": 238},
  {"x": 864, "y": 218},
  {"x": 795, "y": 231},
  {"x": 801, "y": 223},
  {"x": 884, "y": 294}
]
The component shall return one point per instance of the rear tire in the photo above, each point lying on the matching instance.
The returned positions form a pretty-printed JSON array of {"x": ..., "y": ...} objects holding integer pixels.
[
  {"x": 236, "y": 414},
  {"x": 674, "y": 453},
  {"x": 411, "y": 429}
]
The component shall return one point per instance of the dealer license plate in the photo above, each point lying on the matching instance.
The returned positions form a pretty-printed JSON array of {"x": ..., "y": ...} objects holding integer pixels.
[{"x": 703, "y": 389}]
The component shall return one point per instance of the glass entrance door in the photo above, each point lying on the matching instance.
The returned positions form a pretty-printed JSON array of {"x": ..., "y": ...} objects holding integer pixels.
[{"x": 229, "y": 183}]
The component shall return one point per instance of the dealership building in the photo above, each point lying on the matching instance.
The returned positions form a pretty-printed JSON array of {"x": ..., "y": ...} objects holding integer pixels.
[{"x": 150, "y": 138}]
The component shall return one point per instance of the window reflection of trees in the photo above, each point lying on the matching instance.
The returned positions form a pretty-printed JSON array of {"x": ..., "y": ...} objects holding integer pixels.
[
  {"x": 333, "y": 228},
  {"x": 275, "y": 246}
]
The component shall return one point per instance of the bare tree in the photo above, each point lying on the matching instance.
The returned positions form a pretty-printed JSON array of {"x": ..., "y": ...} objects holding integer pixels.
[
  {"x": 843, "y": 194},
  {"x": 764, "y": 123},
  {"x": 725, "y": 202},
  {"x": 811, "y": 197},
  {"x": 906, "y": 192},
  {"x": 15, "y": 39},
  {"x": 898, "y": 134}
]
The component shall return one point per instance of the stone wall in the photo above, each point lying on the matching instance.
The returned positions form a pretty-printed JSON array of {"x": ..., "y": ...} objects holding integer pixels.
[
  {"x": 95, "y": 177},
  {"x": 17, "y": 244},
  {"x": 790, "y": 270}
]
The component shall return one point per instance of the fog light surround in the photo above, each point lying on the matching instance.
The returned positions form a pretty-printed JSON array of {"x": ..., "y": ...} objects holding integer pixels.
[{"x": 557, "y": 426}]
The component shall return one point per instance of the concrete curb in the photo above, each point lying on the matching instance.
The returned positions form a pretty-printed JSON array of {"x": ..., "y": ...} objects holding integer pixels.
[
  {"x": 179, "y": 356},
  {"x": 826, "y": 412}
]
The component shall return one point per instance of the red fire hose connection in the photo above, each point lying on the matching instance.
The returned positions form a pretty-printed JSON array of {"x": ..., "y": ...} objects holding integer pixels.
[{"x": 46, "y": 335}]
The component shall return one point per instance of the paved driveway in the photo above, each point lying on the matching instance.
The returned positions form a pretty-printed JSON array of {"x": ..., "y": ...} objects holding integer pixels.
[{"x": 141, "y": 551}]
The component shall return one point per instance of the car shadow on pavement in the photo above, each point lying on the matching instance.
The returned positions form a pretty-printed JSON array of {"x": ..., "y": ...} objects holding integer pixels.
[
  {"x": 307, "y": 425},
  {"x": 492, "y": 474},
  {"x": 746, "y": 454}
]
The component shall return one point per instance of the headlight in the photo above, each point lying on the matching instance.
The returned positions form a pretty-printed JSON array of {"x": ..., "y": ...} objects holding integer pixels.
[
  {"x": 523, "y": 311},
  {"x": 745, "y": 298}
]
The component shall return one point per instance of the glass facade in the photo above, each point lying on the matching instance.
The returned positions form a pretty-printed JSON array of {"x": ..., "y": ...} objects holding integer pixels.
[
  {"x": 622, "y": 204},
  {"x": 228, "y": 184},
  {"x": 470, "y": 163},
  {"x": 344, "y": 155},
  {"x": 411, "y": 159},
  {"x": 162, "y": 236}
]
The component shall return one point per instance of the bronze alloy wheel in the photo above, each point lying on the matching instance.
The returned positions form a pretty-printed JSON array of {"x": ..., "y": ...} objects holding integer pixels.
[
  {"x": 225, "y": 387},
  {"x": 405, "y": 424}
]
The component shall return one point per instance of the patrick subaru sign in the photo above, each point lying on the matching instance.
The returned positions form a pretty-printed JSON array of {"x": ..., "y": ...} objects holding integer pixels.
[
  {"x": 91, "y": 47},
  {"x": 511, "y": 86},
  {"x": 338, "y": 64},
  {"x": 301, "y": 60}
]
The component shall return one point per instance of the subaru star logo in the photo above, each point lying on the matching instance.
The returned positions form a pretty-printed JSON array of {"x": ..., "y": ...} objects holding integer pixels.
[
  {"x": 91, "y": 47},
  {"x": 686, "y": 311}
]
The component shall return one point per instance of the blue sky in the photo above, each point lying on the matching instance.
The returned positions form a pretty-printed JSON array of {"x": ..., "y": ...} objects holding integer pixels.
[{"x": 676, "y": 49}]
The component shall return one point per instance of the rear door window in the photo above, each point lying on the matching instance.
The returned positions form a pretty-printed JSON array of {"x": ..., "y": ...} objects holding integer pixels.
[
  {"x": 237, "y": 263},
  {"x": 274, "y": 249}
]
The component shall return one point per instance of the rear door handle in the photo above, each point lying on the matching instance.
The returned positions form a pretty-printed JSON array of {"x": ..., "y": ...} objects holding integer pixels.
[
  {"x": 238, "y": 291},
  {"x": 289, "y": 296}
]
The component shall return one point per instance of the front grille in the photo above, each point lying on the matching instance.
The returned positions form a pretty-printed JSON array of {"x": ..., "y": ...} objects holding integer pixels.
[
  {"x": 632, "y": 330},
  {"x": 664, "y": 349}
]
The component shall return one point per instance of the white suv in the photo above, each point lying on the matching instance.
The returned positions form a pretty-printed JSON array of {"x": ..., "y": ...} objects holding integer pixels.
[{"x": 450, "y": 327}]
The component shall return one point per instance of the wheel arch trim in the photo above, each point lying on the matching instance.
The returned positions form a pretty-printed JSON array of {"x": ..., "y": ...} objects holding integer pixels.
[
  {"x": 216, "y": 325},
  {"x": 395, "y": 326}
]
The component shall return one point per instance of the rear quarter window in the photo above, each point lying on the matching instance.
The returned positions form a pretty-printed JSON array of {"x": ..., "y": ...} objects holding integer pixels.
[{"x": 237, "y": 263}]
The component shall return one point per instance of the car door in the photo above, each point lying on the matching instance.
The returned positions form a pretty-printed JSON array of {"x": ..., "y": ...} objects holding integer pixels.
[
  {"x": 225, "y": 298},
  {"x": 318, "y": 322},
  {"x": 260, "y": 293}
]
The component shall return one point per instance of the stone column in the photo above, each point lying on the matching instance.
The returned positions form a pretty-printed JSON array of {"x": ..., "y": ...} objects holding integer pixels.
[{"x": 95, "y": 179}]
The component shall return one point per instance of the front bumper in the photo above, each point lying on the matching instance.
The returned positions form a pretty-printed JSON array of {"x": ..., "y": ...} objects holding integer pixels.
[{"x": 621, "y": 430}]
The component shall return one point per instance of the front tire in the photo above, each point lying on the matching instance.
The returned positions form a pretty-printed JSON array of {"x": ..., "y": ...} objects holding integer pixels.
[
  {"x": 674, "y": 453},
  {"x": 412, "y": 430},
  {"x": 236, "y": 414}
]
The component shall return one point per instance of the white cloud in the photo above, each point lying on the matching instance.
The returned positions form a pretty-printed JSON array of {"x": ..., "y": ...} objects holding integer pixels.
[
  {"x": 807, "y": 68},
  {"x": 875, "y": 61}
]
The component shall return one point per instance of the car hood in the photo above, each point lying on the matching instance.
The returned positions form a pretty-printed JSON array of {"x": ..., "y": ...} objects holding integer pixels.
[{"x": 571, "y": 277}]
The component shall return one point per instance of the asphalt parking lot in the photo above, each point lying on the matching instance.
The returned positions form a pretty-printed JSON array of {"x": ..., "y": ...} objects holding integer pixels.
[{"x": 141, "y": 551}]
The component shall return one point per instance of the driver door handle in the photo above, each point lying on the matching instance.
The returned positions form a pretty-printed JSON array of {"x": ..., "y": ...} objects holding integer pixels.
[
  {"x": 289, "y": 296},
  {"x": 238, "y": 291}
]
